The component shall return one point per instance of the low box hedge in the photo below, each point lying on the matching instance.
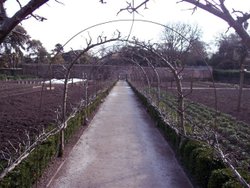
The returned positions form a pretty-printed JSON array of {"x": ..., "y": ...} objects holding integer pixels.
[
  {"x": 230, "y": 76},
  {"x": 198, "y": 158}
]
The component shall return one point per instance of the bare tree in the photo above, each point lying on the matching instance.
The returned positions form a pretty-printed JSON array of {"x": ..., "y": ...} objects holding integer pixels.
[
  {"x": 177, "y": 76},
  {"x": 144, "y": 58},
  {"x": 100, "y": 41},
  {"x": 7, "y": 24},
  {"x": 236, "y": 19},
  {"x": 178, "y": 40},
  {"x": 242, "y": 53}
]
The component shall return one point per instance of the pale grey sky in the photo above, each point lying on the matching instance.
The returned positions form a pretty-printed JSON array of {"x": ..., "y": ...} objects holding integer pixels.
[{"x": 75, "y": 15}]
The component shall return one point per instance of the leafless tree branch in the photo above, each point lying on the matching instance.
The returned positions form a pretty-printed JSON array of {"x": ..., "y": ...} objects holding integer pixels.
[
  {"x": 20, "y": 5},
  {"x": 131, "y": 8},
  {"x": 39, "y": 18},
  {"x": 100, "y": 41},
  {"x": 59, "y": 2},
  {"x": 25, "y": 11},
  {"x": 229, "y": 164},
  {"x": 102, "y": 1},
  {"x": 239, "y": 24}
]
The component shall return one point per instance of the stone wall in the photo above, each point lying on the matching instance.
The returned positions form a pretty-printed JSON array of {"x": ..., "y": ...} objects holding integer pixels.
[{"x": 79, "y": 71}]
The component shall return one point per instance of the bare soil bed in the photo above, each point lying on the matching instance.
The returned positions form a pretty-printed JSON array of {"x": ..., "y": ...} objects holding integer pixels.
[
  {"x": 227, "y": 97},
  {"x": 227, "y": 102},
  {"x": 26, "y": 109}
]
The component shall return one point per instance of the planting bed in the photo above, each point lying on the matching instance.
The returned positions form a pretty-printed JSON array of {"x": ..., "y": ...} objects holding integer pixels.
[
  {"x": 227, "y": 97},
  {"x": 27, "y": 109},
  {"x": 227, "y": 102},
  {"x": 202, "y": 121}
]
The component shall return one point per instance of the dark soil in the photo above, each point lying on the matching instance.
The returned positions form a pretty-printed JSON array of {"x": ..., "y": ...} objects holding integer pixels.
[
  {"x": 227, "y": 101},
  {"x": 27, "y": 109},
  {"x": 227, "y": 98}
]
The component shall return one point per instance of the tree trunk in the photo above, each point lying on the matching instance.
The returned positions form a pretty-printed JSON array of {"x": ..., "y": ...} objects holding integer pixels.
[
  {"x": 147, "y": 79},
  {"x": 64, "y": 110},
  {"x": 61, "y": 141},
  {"x": 7, "y": 24},
  {"x": 86, "y": 99},
  {"x": 158, "y": 85},
  {"x": 240, "y": 87},
  {"x": 180, "y": 109}
]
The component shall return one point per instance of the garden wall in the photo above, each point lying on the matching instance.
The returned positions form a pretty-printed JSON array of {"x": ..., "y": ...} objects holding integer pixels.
[
  {"x": 77, "y": 71},
  {"x": 195, "y": 72},
  {"x": 57, "y": 71}
]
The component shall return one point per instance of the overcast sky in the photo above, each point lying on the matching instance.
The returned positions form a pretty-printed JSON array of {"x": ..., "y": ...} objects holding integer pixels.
[{"x": 63, "y": 21}]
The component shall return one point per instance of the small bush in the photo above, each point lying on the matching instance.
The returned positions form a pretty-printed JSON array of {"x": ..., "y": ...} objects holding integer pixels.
[
  {"x": 204, "y": 165},
  {"x": 219, "y": 177},
  {"x": 3, "y": 77},
  {"x": 187, "y": 148}
]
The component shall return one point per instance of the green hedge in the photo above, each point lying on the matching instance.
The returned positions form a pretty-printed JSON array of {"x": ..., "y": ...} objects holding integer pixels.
[
  {"x": 25, "y": 174},
  {"x": 197, "y": 158},
  {"x": 16, "y": 77},
  {"x": 231, "y": 76},
  {"x": 28, "y": 172}
]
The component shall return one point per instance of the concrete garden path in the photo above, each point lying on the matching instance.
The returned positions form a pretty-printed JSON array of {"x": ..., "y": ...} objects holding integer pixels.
[{"x": 121, "y": 148}]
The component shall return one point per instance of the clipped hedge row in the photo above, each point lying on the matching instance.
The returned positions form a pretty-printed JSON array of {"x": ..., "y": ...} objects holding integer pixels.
[
  {"x": 231, "y": 76},
  {"x": 198, "y": 158},
  {"x": 28, "y": 172},
  {"x": 15, "y": 77}
]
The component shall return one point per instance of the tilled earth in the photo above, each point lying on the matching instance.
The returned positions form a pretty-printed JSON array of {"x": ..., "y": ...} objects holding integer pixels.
[
  {"x": 226, "y": 101},
  {"x": 26, "y": 109},
  {"x": 227, "y": 98}
]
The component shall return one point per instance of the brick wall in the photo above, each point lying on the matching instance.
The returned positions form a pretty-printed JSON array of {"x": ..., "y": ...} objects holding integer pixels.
[{"x": 78, "y": 71}]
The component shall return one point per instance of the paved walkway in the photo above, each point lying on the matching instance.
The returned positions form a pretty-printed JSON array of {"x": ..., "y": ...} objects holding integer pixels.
[{"x": 121, "y": 148}]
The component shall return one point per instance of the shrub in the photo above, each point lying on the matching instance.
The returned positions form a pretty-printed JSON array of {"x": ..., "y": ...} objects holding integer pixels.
[
  {"x": 205, "y": 163},
  {"x": 218, "y": 178},
  {"x": 231, "y": 76},
  {"x": 3, "y": 77},
  {"x": 186, "y": 149},
  {"x": 225, "y": 178},
  {"x": 26, "y": 173}
]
